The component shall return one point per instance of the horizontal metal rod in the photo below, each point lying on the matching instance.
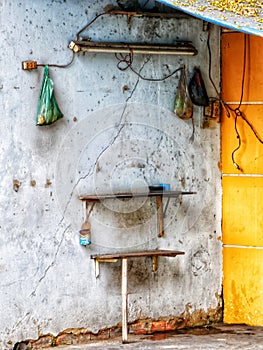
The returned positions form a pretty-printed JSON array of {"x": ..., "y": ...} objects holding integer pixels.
[{"x": 86, "y": 46}]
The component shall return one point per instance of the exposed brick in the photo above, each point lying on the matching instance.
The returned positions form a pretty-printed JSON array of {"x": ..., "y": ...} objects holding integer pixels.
[
  {"x": 101, "y": 335},
  {"x": 66, "y": 339},
  {"x": 43, "y": 342},
  {"x": 115, "y": 332},
  {"x": 84, "y": 338},
  {"x": 75, "y": 331},
  {"x": 171, "y": 325},
  {"x": 188, "y": 318},
  {"x": 140, "y": 327},
  {"x": 158, "y": 326}
]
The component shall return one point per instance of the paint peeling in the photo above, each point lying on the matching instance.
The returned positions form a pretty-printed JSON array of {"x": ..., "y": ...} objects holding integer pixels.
[{"x": 188, "y": 319}]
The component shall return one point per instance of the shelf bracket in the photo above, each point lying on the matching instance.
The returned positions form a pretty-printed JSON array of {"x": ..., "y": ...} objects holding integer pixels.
[
  {"x": 154, "y": 263},
  {"x": 97, "y": 264},
  {"x": 159, "y": 201}
]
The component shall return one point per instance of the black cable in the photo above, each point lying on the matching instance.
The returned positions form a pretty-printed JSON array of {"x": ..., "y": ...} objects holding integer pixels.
[
  {"x": 89, "y": 24},
  {"x": 210, "y": 75},
  {"x": 77, "y": 38},
  {"x": 243, "y": 77},
  {"x": 238, "y": 113},
  {"x": 210, "y": 64},
  {"x": 127, "y": 60},
  {"x": 239, "y": 143}
]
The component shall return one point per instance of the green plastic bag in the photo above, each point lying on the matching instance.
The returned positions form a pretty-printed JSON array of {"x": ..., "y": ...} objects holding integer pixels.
[
  {"x": 48, "y": 111},
  {"x": 183, "y": 107}
]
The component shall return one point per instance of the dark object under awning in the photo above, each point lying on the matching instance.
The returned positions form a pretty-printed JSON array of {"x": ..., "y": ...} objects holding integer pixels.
[{"x": 244, "y": 16}]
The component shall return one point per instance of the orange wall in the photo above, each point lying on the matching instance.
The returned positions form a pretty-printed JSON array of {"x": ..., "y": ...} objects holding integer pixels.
[
  {"x": 242, "y": 222},
  {"x": 250, "y": 155}
]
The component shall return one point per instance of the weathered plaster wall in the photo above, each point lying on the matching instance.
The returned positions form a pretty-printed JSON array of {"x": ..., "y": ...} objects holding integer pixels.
[{"x": 119, "y": 132}]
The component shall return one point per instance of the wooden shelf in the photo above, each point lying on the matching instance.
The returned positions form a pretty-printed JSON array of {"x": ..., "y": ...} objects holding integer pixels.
[
  {"x": 154, "y": 254},
  {"x": 157, "y": 194},
  {"x": 171, "y": 253},
  {"x": 100, "y": 197}
]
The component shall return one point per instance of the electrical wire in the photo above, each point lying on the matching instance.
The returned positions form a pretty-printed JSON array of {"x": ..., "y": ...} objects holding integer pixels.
[
  {"x": 210, "y": 64},
  {"x": 89, "y": 24},
  {"x": 73, "y": 53},
  {"x": 58, "y": 65},
  {"x": 125, "y": 62},
  {"x": 237, "y": 111}
]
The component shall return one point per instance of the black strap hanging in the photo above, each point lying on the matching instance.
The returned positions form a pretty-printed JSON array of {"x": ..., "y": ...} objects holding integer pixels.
[{"x": 197, "y": 90}]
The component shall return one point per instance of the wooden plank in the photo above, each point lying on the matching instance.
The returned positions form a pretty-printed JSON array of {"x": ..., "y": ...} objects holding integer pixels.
[
  {"x": 106, "y": 260},
  {"x": 168, "y": 253}
]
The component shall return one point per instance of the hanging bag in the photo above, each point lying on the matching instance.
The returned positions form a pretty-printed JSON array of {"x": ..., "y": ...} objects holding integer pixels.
[
  {"x": 183, "y": 107},
  {"x": 48, "y": 111},
  {"x": 197, "y": 89}
]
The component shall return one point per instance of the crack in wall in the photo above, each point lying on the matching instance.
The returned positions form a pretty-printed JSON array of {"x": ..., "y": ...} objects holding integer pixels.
[
  {"x": 120, "y": 127},
  {"x": 157, "y": 147},
  {"x": 53, "y": 261},
  {"x": 18, "y": 323}
]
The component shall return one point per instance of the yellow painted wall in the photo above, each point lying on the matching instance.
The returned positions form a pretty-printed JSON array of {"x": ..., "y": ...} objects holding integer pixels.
[
  {"x": 242, "y": 220},
  {"x": 243, "y": 285},
  {"x": 243, "y": 211}
]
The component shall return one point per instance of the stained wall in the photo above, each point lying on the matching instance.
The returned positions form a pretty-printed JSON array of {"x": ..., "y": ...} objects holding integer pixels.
[{"x": 119, "y": 132}]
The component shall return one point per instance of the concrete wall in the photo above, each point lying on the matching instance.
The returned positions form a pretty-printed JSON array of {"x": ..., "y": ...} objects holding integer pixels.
[{"x": 119, "y": 133}]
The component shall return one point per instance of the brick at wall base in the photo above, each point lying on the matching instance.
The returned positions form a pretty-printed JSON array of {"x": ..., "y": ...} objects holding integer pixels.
[
  {"x": 72, "y": 337},
  {"x": 186, "y": 320},
  {"x": 101, "y": 335},
  {"x": 76, "y": 337},
  {"x": 150, "y": 327},
  {"x": 43, "y": 342}
]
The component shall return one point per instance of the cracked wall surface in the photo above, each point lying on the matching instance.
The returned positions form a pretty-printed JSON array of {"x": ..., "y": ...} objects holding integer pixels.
[{"x": 118, "y": 133}]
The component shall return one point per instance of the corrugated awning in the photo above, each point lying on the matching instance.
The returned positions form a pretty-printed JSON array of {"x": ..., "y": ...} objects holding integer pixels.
[{"x": 240, "y": 15}]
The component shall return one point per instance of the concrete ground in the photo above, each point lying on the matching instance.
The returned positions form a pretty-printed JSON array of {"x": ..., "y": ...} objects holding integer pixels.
[{"x": 213, "y": 337}]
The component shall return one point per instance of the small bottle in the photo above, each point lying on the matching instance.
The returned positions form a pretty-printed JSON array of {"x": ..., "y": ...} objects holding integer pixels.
[{"x": 85, "y": 234}]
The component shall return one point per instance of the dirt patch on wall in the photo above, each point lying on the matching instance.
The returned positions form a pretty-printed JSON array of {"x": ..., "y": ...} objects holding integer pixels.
[{"x": 188, "y": 319}]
